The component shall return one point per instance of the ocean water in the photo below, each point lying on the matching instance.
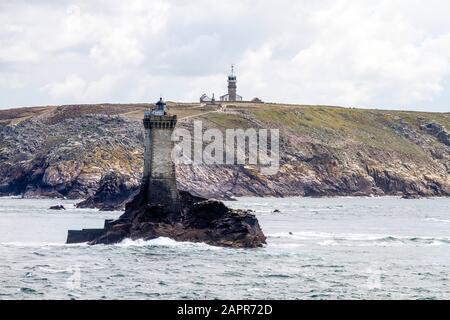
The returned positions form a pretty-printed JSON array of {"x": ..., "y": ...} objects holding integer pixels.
[{"x": 330, "y": 248}]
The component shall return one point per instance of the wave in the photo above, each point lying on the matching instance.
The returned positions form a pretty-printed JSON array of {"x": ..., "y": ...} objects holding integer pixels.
[
  {"x": 41, "y": 244},
  {"x": 355, "y": 239},
  {"x": 165, "y": 242},
  {"x": 438, "y": 220},
  {"x": 127, "y": 243},
  {"x": 158, "y": 242}
]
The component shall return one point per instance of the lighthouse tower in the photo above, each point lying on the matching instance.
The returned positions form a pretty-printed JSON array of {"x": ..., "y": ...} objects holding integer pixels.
[
  {"x": 232, "y": 88},
  {"x": 159, "y": 178},
  {"x": 232, "y": 85}
]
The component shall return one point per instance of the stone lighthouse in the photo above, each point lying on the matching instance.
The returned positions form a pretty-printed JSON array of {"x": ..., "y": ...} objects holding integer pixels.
[
  {"x": 159, "y": 181},
  {"x": 159, "y": 210}
]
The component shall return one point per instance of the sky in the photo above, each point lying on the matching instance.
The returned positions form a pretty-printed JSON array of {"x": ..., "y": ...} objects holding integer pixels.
[{"x": 386, "y": 54}]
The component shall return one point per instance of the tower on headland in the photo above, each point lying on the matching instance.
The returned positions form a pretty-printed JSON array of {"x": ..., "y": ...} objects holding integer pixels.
[
  {"x": 159, "y": 181},
  {"x": 232, "y": 88},
  {"x": 232, "y": 85}
]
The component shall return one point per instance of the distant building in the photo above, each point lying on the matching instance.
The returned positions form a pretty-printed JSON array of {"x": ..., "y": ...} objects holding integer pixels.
[
  {"x": 205, "y": 98},
  {"x": 257, "y": 100},
  {"x": 232, "y": 87}
]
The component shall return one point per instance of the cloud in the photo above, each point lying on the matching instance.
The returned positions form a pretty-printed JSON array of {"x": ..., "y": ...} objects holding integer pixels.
[
  {"x": 391, "y": 54},
  {"x": 73, "y": 87},
  {"x": 103, "y": 87},
  {"x": 360, "y": 55},
  {"x": 11, "y": 81},
  {"x": 76, "y": 88}
]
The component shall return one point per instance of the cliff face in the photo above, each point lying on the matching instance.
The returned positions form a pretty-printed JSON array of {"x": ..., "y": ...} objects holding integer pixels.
[{"x": 73, "y": 151}]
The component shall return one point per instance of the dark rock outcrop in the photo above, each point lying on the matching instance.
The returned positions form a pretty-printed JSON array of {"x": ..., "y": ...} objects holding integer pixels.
[
  {"x": 410, "y": 196},
  {"x": 57, "y": 207},
  {"x": 438, "y": 131},
  {"x": 199, "y": 220},
  {"x": 113, "y": 193}
]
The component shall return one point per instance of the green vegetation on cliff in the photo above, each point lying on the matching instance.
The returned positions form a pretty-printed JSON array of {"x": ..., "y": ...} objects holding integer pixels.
[{"x": 66, "y": 150}]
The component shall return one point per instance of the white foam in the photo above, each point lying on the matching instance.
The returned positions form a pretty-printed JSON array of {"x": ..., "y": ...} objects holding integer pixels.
[
  {"x": 40, "y": 244},
  {"x": 329, "y": 243},
  {"x": 164, "y": 242},
  {"x": 438, "y": 220},
  {"x": 357, "y": 239},
  {"x": 285, "y": 245}
]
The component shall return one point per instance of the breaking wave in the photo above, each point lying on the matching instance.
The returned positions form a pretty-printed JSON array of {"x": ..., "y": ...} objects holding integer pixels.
[
  {"x": 41, "y": 244},
  {"x": 438, "y": 220},
  {"x": 165, "y": 242},
  {"x": 353, "y": 239}
]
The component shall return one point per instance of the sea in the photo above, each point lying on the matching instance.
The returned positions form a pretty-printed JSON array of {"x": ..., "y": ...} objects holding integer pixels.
[{"x": 317, "y": 248}]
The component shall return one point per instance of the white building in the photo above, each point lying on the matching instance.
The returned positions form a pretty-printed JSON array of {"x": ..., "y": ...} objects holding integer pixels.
[{"x": 205, "y": 98}]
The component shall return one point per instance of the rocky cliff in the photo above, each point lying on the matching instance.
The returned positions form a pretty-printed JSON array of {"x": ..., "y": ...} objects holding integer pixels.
[{"x": 95, "y": 152}]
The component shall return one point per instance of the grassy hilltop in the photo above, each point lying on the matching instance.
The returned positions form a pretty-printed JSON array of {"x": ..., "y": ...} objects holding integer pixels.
[{"x": 67, "y": 150}]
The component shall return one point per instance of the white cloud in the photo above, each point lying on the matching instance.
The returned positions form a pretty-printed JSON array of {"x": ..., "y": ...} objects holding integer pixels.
[
  {"x": 73, "y": 87},
  {"x": 360, "y": 55},
  {"x": 76, "y": 88},
  {"x": 11, "y": 81},
  {"x": 393, "y": 54},
  {"x": 18, "y": 53},
  {"x": 102, "y": 88}
]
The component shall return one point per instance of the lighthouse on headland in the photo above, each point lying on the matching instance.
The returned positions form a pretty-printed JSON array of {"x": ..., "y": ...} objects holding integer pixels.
[
  {"x": 231, "y": 96},
  {"x": 232, "y": 88}
]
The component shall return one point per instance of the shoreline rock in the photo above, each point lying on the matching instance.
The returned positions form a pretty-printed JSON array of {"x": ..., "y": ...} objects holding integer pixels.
[
  {"x": 57, "y": 207},
  {"x": 409, "y": 196},
  {"x": 199, "y": 220},
  {"x": 112, "y": 195}
]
